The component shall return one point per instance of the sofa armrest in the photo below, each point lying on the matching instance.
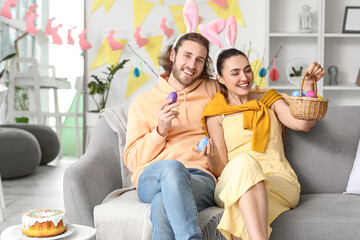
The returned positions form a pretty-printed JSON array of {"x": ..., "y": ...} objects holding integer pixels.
[{"x": 91, "y": 178}]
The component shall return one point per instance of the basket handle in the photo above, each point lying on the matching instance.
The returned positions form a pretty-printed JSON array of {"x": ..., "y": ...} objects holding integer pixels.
[{"x": 302, "y": 84}]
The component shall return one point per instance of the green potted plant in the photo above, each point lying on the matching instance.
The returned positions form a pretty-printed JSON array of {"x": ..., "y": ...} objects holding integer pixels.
[{"x": 99, "y": 88}]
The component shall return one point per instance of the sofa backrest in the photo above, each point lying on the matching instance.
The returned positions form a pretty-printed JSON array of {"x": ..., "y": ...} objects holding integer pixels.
[{"x": 323, "y": 157}]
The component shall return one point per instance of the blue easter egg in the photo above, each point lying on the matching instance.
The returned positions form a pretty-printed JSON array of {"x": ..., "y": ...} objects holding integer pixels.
[
  {"x": 202, "y": 143},
  {"x": 136, "y": 72},
  {"x": 296, "y": 93},
  {"x": 262, "y": 72}
]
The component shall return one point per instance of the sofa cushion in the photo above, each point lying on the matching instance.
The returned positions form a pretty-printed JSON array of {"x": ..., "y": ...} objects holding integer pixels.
[
  {"x": 126, "y": 217},
  {"x": 323, "y": 157},
  {"x": 320, "y": 216},
  {"x": 353, "y": 186}
]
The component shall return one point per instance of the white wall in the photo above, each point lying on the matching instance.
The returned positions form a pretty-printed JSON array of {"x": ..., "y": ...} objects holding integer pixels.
[{"x": 120, "y": 19}]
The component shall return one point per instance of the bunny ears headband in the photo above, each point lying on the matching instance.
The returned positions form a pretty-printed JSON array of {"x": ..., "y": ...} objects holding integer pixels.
[{"x": 213, "y": 29}]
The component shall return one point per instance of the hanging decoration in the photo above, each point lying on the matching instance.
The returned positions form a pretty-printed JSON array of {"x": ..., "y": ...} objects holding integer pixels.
[
  {"x": 30, "y": 26},
  {"x": 97, "y": 3},
  {"x": 84, "y": 44},
  {"x": 106, "y": 55},
  {"x": 231, "y": 9},
  {"x": 161, "y": 2},
  {"x": 221, "y": 3},
  {"x": 55, "y": 36},
  {"x": 176, "y": 12},
  {"x": 112, "y": 43},
  {"x": 136, "y": 72},
  {"x": 274, "y": 73},
  {"x": 31, "y": 10},
  {"x": 134, "y": 83},
  {"x": 153, "y": 49},
  {"x": 167, "y": 31},
  {"x": 5, "y": 9},
  {"x": 69, "y": 37},
  {"x": 141, "y": 9},
  {"x": 140, "y": 40},
  {"x": 48, "y": 28}
]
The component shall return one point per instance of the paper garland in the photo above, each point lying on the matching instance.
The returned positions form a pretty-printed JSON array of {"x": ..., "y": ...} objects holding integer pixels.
[
  {"x": 231, "y": 9},
  {"x": 141, "y": 9},
  {"x": 97, "y": 3}
]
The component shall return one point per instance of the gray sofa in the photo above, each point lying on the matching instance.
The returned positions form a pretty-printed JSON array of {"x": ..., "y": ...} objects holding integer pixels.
[{"x": 322, "y": 158}]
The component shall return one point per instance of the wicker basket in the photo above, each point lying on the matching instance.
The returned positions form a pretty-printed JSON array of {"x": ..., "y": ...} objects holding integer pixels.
[{"x": 307, "y": 108}]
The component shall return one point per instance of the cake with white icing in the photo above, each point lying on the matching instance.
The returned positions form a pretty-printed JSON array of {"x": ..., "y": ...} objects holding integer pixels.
[{"x": 44, "y": 223}]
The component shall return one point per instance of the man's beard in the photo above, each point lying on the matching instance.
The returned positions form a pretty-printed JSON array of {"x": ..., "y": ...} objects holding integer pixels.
[{"x": 185, "y": 81}]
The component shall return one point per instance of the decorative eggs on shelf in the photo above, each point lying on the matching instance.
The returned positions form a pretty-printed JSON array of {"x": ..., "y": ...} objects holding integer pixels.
[
  {"x": 173, "y": 96},
  {"x": 202, "y": 143},
  {"x": 311, "y": 94}
]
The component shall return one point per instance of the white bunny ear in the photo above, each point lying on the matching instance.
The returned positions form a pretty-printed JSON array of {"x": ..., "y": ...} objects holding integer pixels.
[
  {"x": 190, "y": 14},
  {"x": 231, "y": 31},
  {"x": 218, "y": 25},
  {"x": 210, "y": 34}
]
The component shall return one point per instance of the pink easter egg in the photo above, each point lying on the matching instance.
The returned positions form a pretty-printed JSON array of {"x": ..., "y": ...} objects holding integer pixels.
[{"x": 311, "y": 94}]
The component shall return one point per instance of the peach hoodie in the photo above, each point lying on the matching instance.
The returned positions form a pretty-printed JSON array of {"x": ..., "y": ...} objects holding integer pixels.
[{"x": 144, "y": 144}]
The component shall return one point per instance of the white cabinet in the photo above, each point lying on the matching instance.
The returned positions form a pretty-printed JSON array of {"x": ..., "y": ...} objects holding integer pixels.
[{"x": 326, "y": 45}]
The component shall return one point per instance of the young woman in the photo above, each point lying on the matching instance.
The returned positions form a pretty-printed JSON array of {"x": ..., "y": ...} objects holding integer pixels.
[{"x": 245, "y": 151}]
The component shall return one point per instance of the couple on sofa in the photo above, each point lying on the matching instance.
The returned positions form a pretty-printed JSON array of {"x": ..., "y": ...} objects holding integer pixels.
[{"x": 242, "y": 168}]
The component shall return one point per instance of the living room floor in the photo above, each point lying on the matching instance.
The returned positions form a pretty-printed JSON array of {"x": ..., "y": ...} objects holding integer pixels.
[{"x": 42, "y": 189}]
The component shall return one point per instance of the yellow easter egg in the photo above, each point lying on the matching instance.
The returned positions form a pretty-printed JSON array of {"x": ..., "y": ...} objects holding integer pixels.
[{"x": 319, "y": 96}]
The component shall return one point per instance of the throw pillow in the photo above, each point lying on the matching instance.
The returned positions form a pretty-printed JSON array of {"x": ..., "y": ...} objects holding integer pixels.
[{"x": 353, "y": 186}]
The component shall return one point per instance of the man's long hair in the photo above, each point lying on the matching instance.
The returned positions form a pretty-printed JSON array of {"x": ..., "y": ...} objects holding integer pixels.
[{"x": 195, "y": 37}]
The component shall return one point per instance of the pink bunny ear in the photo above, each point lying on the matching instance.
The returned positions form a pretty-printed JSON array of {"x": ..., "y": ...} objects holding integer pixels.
[
  {"x": 190, "y": 14},
  {"x": 210, "y": 34},
  {"x": 218, "y": 25},
  {"x": 231, "y": 31}
]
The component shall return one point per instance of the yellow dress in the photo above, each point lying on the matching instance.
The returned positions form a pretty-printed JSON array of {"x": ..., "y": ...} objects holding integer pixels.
[{"x": 247, "y": 168}]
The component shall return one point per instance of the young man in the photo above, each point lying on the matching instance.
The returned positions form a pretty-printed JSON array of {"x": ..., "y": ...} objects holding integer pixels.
[{"x": 161, "y": 142}]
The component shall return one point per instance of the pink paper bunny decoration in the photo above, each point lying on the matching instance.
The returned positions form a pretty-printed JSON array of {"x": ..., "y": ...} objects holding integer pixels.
[
  {"x": 167, "y": 31},
  {"x": 112, "y": 43},
  {"x": 31, "y": 10},
  {"x": 5, "y": 9},
  {"x": 221, "y": 3},
  {"x": 30, "y": 27},
  {"x": 84, "y": 44},
  {"x": 69, "y": 37},
  {"x": 55, "y": 36},
  {"x": 48, "y": 28},
  {"x": 139, "y": 40}
]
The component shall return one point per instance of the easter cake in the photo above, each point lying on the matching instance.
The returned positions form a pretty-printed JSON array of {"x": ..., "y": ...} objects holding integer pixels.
[{"x": 43, "y": 223}]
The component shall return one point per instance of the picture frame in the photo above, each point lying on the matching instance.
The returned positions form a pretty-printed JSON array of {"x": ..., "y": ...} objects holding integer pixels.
[{"x": 351, "y": 23}]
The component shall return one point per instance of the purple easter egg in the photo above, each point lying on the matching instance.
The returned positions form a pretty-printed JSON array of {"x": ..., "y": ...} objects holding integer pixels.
[
  {"x": 311, "y": 94},
  {"x": 173, "y": 96}
]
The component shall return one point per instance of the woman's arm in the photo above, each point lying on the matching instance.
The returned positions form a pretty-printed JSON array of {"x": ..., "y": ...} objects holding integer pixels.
[{"x": 215, "y": 150}]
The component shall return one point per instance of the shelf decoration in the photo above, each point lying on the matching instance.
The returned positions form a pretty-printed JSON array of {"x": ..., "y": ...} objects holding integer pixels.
[
  {"x": 106, "y": 55},
  {"x": 141, "y": 9},
  {"x": 295, "y": 69},
  {"x": 134, "y": 83},
  {"x": 5, "y": 9},
  {"x": 306, "y": 20},
  {"x": 112, "y": 43},
  {"x": 167, "y": 31},
  {"x": 232, "y": 9},
  {"x": 333, "y": 73},
  {"x": 97, "y": 3}
]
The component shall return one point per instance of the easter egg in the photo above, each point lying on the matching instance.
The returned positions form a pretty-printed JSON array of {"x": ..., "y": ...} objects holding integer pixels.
[
  {"x": 274, "y": 74},
  {"x": 136, "y": 72},
  {"x": 173, "y": 96},
  {"x": 296, "y": 93},
  {"x": 202, "y": 143},
  {"x": 311, "y": 94},
  {"x": 318, "y": 96},
  {"x": 262, "y": 72}
]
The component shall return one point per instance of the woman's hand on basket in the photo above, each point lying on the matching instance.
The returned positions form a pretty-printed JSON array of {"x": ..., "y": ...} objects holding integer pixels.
[{"x": 315, "y": 70}]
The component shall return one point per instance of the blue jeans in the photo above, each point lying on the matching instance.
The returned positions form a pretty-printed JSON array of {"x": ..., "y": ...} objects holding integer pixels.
[{"x": 176, "y": 195}]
